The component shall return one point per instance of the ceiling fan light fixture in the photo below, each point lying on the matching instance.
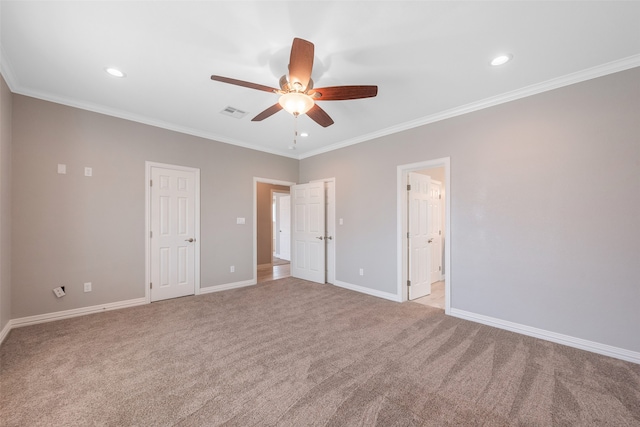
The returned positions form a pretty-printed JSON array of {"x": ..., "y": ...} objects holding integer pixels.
[{"x": 296, "y": 103}]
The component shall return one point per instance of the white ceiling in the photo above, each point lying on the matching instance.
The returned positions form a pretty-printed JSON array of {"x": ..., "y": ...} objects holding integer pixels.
[{"x": 430, "y": 60}]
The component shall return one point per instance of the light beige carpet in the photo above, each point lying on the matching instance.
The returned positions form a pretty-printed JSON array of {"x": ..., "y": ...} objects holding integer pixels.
[{"x": 294, "y": 353}]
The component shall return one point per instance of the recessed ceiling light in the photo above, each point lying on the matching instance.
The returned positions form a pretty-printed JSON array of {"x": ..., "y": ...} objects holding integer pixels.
[
  {"x": 114, "y": 72},
  {"x": 502, "y": 59},
  {"x": 304, "y": 134}
]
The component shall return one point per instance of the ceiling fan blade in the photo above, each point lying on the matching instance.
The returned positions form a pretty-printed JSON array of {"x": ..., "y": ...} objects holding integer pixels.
[
  {"x": 300, "y": 63},
  {"x": 340, "y": 93},
  {"x": 319, "y": 116},
  {"x": 267, "y": 113},
  {"x": 243, "y": 83}
]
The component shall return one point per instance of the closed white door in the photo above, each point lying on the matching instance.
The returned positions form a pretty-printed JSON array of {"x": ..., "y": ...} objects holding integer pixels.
[
  {"x": 173, "y": 228},
  {"x": 330, "y": 224},
  {"x": 419, "y": 268},
  {"x": 435, "y": 229},
  {"x": 284, "y": 231},
  {"x": 308, "y": 231}
]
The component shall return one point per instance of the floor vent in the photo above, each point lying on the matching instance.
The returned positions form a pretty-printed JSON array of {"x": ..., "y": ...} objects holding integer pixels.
[{"x": 233, "y": 112}]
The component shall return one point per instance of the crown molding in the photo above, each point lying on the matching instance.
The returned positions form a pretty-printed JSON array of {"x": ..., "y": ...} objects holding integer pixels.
[{"x": 569, "y": 79}]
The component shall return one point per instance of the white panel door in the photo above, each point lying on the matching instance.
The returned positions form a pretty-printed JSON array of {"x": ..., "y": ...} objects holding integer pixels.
[
  {"x": 419, "y": 246},
  {"x": 308, "y": 231},
  {"x": 284, "y": 232},
  {"x": 435, "y": 229},
  {"x": 330, "y": 224},
  {"x": 172, "y": 217}
]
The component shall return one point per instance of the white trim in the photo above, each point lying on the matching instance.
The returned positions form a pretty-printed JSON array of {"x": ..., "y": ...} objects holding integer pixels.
[
  {"x": 147, "y": 223},
  {"x": 368, "y": 291},
  {"x": 534, "y": 89},
  {"x": 67, "y": 314},
  {"x": 138, "y": 118},
  {"x": 402, "y": 173},
  {"x": 555, "y": 83},
  {"x": 256, "y": 180},
  {"x": 5, "y": 331},
  {"x": 226, "y": 287},
  {"x": 582, "y": 344}
]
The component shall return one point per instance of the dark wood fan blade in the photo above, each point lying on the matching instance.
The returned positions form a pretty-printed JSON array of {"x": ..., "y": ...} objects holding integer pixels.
[
  {"x": 300, "y": 62},
  {"x": 340, "y": 93},
  {"x": 267, "y": 113},
  {"x": 320, "y": 116},
  {"x": 243, "y": 83}
]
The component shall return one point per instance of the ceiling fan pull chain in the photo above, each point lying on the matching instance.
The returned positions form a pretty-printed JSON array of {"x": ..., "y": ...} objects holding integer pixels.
[{"x": 295, "y": 129}]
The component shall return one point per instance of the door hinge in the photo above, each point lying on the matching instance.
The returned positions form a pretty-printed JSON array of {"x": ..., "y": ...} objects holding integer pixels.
[
  {"x": 409, "y": 283},
  {"x": 440, "y": 268},
  {"x": 150, "y": 183},
  {"x": 439, "y": 232},
  {"x": 408, "y": 187},
  {"x": 151, "y": 234},
  {"x": 150, "y": 285},
  {"x": 407, "y": 234},
  {"x": 439, "y": 196}
]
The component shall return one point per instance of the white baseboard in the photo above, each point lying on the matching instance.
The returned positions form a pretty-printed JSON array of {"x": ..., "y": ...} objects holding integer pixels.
[
  {"x": 368, "y": 291},
  {"x": 227, "y": 286},
  {"x": 5, "y": 331},
  {"x": 66, "y": 314},
  {"x": 594, "y": 347}
]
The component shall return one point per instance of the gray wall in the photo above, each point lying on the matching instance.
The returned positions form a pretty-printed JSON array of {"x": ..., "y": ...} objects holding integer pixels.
[
  {"x": 5, "y": 203},
  {"x": 70, "y": 229},
  {"x": 538, "y": 238}
]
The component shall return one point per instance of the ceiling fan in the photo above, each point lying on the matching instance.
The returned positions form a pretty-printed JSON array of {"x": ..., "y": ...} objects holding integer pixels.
[{"x": 297, "y": 94}]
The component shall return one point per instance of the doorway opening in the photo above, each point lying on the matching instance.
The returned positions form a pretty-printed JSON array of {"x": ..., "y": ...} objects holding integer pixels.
[
  {"x": 424, "y": 194},
  {"x": 271, "y": 231}
]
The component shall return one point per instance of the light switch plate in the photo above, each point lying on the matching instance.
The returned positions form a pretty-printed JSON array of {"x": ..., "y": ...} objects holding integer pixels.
[
  {"x": 88, "y": 171},
  {"x": 239, "y": 220},
  {"x": 62, "y": 169}
]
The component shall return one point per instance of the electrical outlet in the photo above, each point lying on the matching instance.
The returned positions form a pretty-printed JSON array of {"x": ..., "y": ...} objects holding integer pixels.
[
  {"x": 362, "y": 271},
  {"x": 59, "y": 291},
  {"x": 232, "y": 269},
  {"x": 87, "y": 287}
]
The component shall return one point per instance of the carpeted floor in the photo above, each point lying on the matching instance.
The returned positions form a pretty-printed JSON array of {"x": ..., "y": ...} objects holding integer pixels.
[{"x": 294, "y": 353}]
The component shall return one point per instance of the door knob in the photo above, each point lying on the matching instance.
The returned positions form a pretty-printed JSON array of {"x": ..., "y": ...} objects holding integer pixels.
[
  {"x": 319, "y": 237},
  {"x": 430, "y": 240},
  {"x": 190, "y": 240},
  {"x": 329, "y": 238}
]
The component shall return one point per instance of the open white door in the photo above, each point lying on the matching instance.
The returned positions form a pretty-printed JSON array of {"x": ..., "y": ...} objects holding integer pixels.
[
  {"x": 308, "y": 232},
  {"x": 284, "y": 231},
  {"x": 173, "y": 232},
  {"x": 435, "y": 230},
  {"x": 419, "y": 244}
]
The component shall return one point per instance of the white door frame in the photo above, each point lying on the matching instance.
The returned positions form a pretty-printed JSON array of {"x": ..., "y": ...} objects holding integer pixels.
[
  {"x": 256, "y": 180},
  {"x": 402, "y": 255},
  {"x": 147, "y": 224}
]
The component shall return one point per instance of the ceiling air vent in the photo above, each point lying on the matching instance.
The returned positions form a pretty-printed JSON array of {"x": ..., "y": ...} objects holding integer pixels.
[{"x": 233, "y": 112}]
